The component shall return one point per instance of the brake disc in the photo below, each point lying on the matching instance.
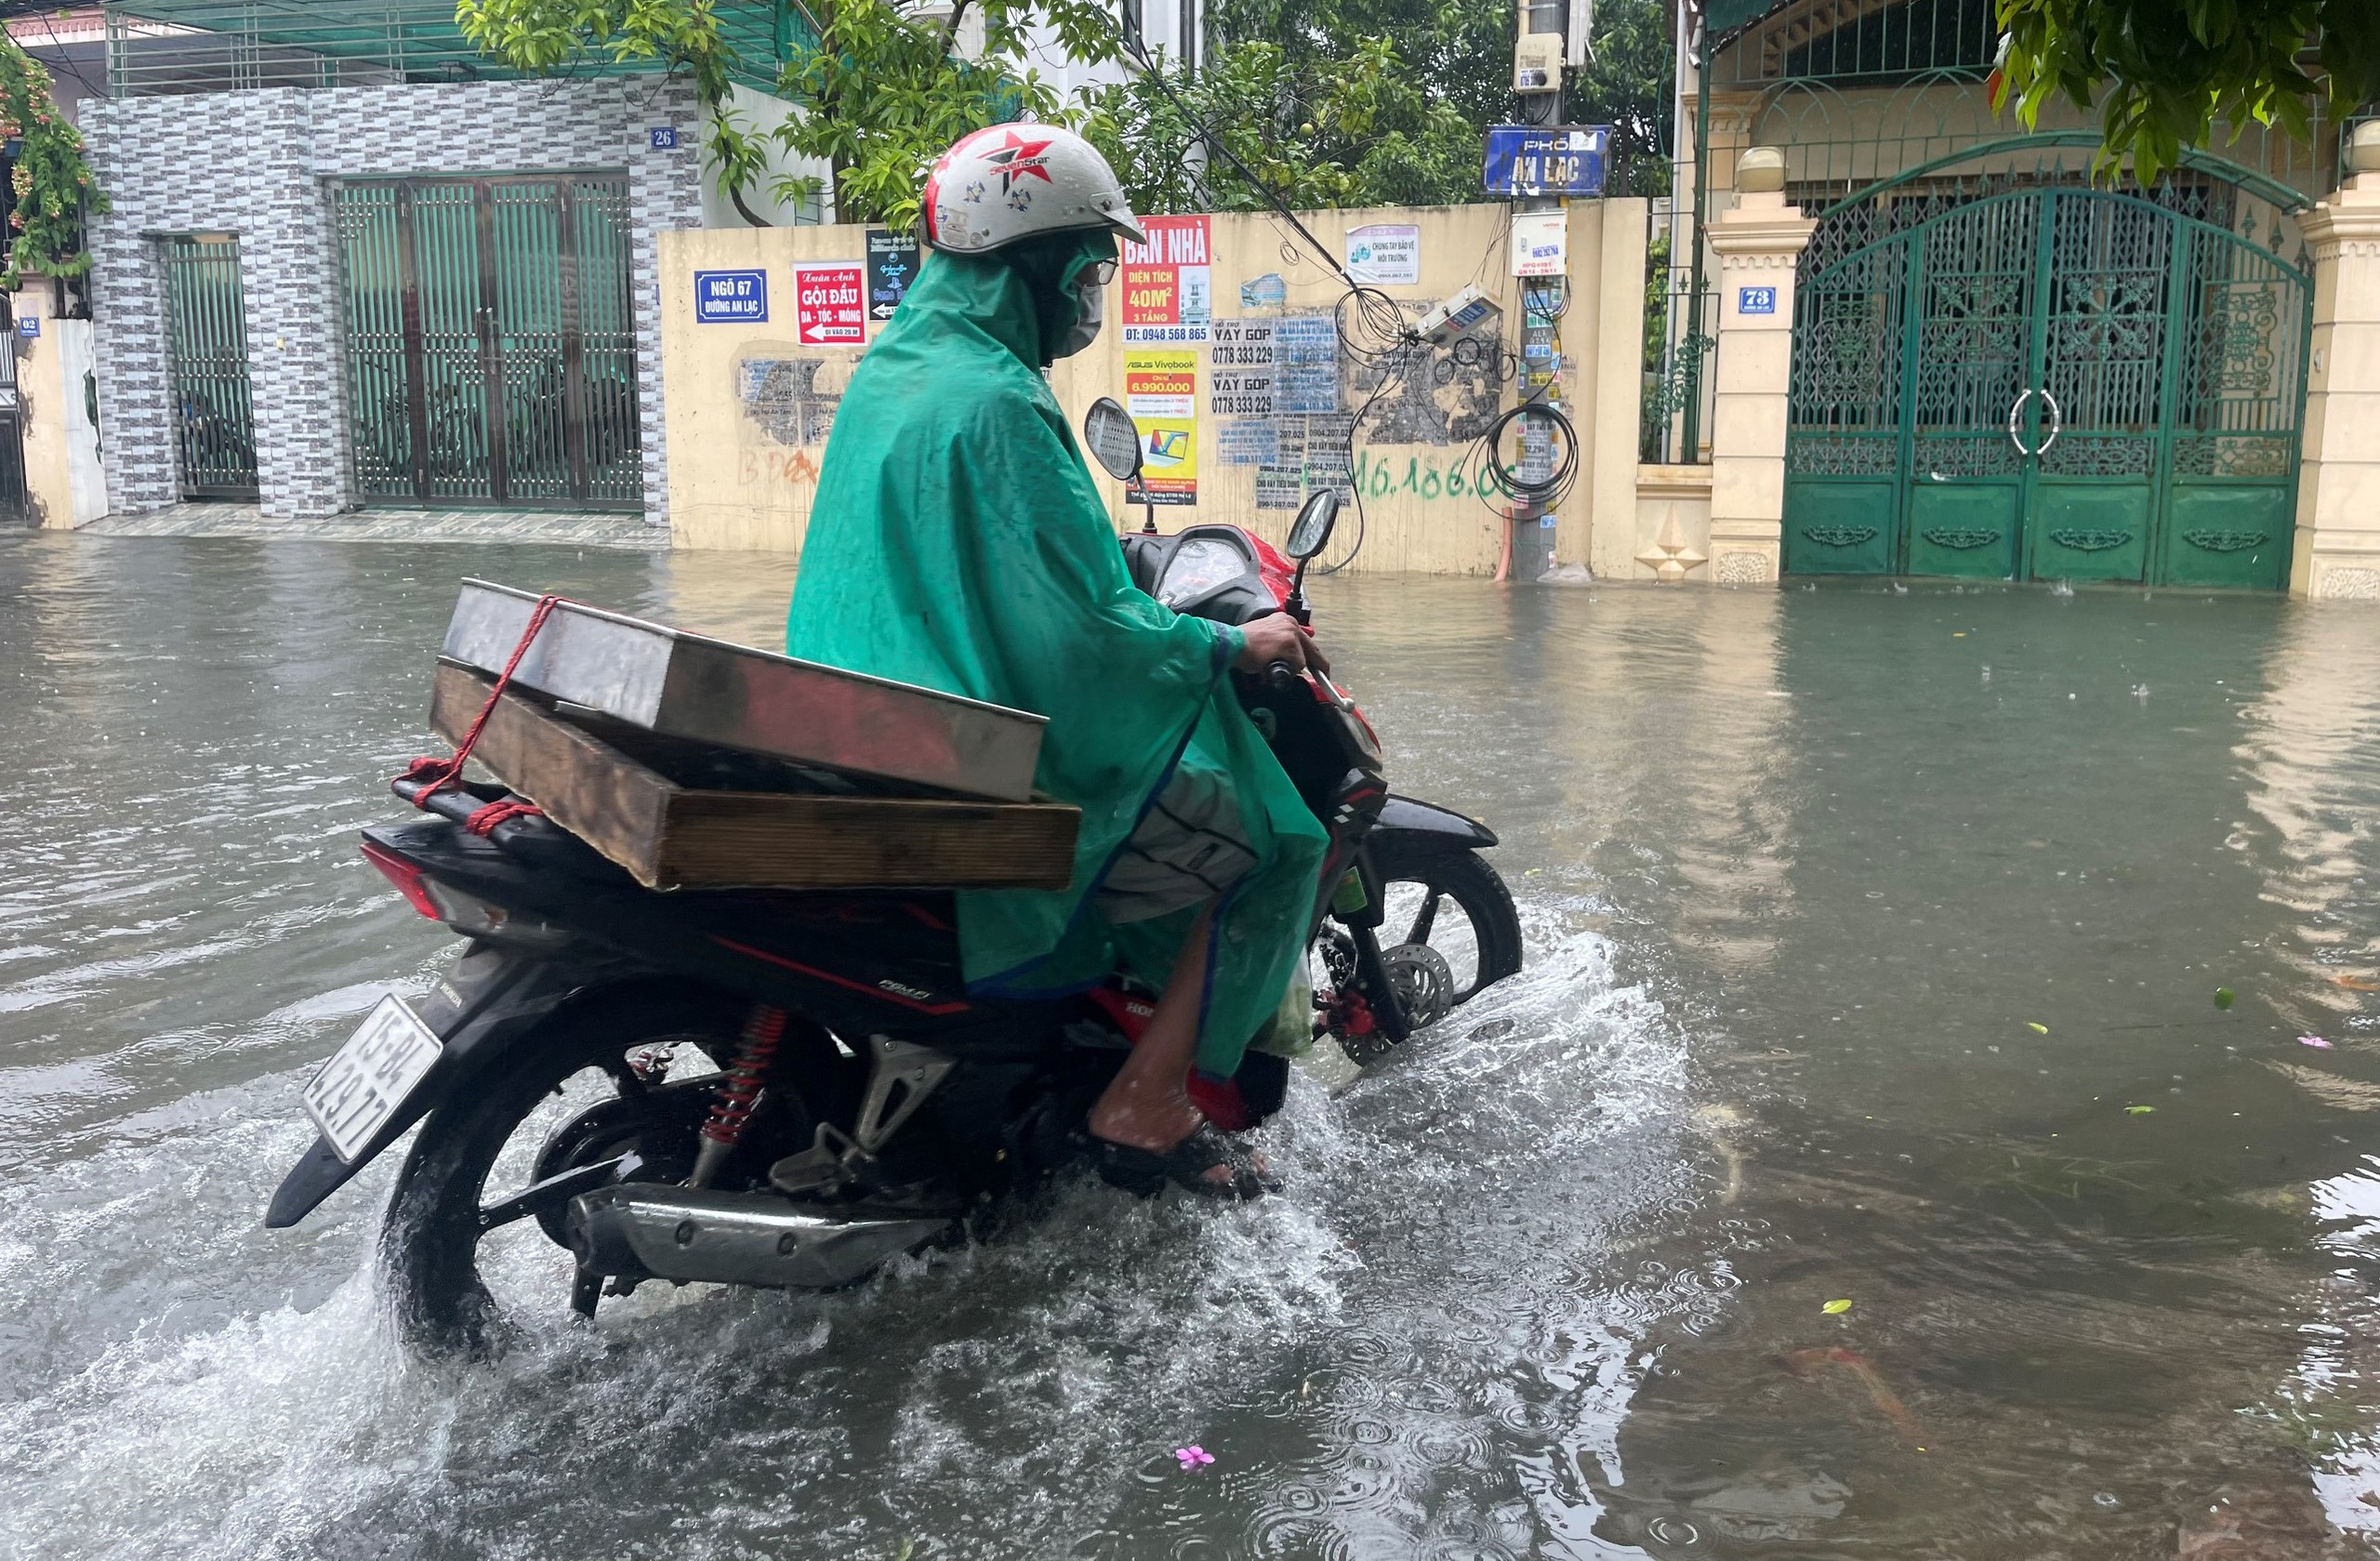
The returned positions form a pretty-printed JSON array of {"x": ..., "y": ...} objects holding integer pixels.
[{"x": 1422, "y": 981}]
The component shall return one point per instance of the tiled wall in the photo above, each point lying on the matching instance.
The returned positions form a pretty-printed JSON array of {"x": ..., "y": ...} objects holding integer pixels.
[{"x": 256, "y": 164}]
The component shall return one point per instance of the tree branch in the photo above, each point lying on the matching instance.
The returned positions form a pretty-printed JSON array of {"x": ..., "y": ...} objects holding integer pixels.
[{"x": 735, "y": 194}]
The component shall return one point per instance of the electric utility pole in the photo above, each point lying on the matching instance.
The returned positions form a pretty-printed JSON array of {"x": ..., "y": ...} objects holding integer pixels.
[{"x": 1542, "y": 52}]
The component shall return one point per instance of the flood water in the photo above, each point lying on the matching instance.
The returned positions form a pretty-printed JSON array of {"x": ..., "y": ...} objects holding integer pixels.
[{"x": 1874, "y": 939}]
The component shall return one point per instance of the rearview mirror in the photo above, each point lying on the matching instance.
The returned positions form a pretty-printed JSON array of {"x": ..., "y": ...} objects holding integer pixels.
[
  {"x": 1311, "y": 533},
  {"x": 1113, "y": 438}
]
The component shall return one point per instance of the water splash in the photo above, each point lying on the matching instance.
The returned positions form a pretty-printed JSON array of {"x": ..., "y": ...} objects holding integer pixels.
[{"x": 1375, "y": 1335}]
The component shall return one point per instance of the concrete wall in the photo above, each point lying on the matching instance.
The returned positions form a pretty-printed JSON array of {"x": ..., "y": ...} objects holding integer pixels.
[
  {"x": 749, "y": 407},
  {"x": 254, "y": 164},
  {"x": 64, "y": 484}
]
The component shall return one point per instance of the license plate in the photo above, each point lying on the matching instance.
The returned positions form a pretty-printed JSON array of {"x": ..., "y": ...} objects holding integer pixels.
[{"x": 362, "y": 1087}]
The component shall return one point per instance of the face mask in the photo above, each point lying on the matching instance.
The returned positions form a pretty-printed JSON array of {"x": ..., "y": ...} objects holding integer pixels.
[{"x": 1089, "y": 305}]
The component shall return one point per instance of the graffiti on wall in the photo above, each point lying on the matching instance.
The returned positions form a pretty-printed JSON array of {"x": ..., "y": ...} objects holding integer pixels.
[
  {"x": 1285, "y": 397},
  {"x": 792, "y": 399},
  {"x": 789, "y": 399}
]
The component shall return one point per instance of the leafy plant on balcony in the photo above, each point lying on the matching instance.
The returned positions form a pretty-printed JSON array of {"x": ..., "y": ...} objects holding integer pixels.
[{"x": 50, "y": 184}]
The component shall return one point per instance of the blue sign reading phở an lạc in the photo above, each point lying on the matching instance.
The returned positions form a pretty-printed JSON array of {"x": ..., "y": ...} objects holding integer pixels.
[
  {"x": 730, "y": 297},
  {"x": 1546, "y": 159}
]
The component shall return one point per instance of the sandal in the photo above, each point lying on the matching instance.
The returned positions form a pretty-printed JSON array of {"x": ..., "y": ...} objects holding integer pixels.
[{"x": 1145, "y": 1172}]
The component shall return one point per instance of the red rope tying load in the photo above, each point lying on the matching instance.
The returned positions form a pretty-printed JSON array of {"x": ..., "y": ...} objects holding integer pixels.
[{"x": 440, "y": 773}]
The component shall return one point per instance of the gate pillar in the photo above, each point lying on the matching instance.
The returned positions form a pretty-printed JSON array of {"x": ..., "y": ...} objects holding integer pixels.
[
  {"x": 2337, "y": 553},
  {"x": 1757, "y": 246}
]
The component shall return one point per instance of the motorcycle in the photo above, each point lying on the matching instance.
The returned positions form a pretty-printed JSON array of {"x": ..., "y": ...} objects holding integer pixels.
[{"x": 789, "y": 1089}]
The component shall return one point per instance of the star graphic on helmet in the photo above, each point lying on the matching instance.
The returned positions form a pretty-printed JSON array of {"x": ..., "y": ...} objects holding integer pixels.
[{"x": 1019, "y": 157}]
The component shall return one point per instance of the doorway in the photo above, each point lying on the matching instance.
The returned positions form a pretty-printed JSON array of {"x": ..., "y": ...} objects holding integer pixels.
[
  {"x": 491, "y": 344},
  {"x": 206, "y": 338}
]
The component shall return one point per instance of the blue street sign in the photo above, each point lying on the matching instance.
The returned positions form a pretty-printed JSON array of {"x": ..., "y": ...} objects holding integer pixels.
[
  {"x": 663, "y": 137},
  {"x": 1546, "y": 159},
  {"x": 1756, "y": 300},
  {"x": 730, "y": 297},
  {"x": 30, "y": 326}
]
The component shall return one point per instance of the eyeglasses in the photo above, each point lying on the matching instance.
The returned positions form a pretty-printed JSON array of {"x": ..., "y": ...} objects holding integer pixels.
[{"x": 1100, "y": 273}]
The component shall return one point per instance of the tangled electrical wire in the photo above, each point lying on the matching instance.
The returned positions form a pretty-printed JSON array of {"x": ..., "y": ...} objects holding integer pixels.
[
  {"x": 1541, "y": 479},
  {"x": 1374, "y": 334},
  {"x": 1538, "y": 477}
]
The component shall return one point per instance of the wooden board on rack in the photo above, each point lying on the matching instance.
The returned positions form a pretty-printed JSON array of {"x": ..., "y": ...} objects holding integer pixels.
[
  {"x": 670, "y": 835},
  {"x": 699, "y": 690}
]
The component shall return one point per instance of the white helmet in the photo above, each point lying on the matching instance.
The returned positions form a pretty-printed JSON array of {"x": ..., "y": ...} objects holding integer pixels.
[{"x": 1012, "y": 181}]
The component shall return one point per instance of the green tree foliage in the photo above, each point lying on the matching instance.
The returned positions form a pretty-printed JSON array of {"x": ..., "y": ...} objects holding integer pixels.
[
  {"x": 1631, "y": 84},
  {"x": 1319, "y": 132},
  {"x": 882, "y": 93},
  {"x": 1333, "y": 102},
  {"x": 1433, "y": 75},
  {"x": 2164, "y": 71},
  {"x": 544, "y": 37},
  {"x": 51, "y": 183}
]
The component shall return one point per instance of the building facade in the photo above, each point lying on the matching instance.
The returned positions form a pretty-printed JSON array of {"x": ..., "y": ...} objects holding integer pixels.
[
  {"x": 1993, "y": 359},
  {"x": 418, "y": 293},
  {"x": 350, "y": 262}
]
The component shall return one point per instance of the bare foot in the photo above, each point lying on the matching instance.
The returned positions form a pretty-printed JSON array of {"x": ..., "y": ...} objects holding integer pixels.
[
  {"x": 1144, "y": 1116},
  {"x": 1153, "y": 1119}
]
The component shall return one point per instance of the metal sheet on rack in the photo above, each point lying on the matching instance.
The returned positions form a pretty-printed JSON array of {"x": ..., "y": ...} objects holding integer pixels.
[{"x": 711, "y": 690}]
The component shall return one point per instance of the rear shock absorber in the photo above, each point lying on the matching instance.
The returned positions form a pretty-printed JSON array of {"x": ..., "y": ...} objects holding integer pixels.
[{"x": 739, "y": 1092}]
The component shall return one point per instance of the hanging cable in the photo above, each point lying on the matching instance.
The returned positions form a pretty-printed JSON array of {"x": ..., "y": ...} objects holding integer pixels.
[{"x": 1512, "y": 480}]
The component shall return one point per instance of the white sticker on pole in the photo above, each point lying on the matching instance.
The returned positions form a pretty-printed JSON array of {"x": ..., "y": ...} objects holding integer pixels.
[
  {"x": 1385, "y": 254},
  {"x": 1541, "y": 242},
  {"x": 830, "y": 305}
]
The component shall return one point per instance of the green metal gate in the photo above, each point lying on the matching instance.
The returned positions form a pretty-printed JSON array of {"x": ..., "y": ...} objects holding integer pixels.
[
  {"x": 2054, "y": 383},
  {"x": 206, "y": 343},
  {"x": 491, "y": 343}
]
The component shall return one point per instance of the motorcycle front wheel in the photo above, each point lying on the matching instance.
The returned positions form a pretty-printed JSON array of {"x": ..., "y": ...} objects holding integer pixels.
[
  {"x": 462, "y": 1246},
  {"x": 1453, "y": 901}
]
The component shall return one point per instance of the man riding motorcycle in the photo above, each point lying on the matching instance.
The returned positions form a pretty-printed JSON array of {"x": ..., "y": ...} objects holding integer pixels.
[{"x": 957, "y": 542}]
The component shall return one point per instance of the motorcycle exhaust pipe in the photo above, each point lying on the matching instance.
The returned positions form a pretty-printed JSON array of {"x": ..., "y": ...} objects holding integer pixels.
[{"x": 654, "y": 1230}]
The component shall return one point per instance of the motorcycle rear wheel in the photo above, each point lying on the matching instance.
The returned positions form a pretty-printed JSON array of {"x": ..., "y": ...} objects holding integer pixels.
[{"x": 432, "y": 1238}]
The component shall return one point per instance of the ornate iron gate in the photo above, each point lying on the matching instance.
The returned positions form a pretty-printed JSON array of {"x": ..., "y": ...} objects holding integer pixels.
[
  {"x": 206, "y": 340},
  {"x": 12, "y": 424},
  {"x": 2059, "y": 383},
  {"x": 491, "y": 343}
]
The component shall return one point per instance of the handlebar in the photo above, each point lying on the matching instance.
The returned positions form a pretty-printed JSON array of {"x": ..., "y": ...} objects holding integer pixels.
[{"x": 1279, "y": 675}]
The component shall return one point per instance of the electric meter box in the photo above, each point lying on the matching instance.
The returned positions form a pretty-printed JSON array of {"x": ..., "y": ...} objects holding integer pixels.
[
  {"x": 1465, "y": 308},
  {"x": 1537, "y": 62}
]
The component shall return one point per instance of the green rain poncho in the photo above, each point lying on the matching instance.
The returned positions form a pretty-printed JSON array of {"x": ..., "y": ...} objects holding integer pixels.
[{"x": 957, "y": 542}]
